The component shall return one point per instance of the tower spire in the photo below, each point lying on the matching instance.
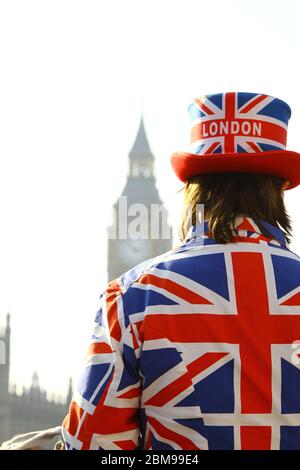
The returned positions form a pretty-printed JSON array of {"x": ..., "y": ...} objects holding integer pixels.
[
  {"x": 141, "y": 146},
  {"x": 70, "y": 392},
  {"x": 141, "y": 158},
  {"x": 7, "y": 330},
  {"x": 5, "y": 360},
  {"x": 7, "y": 338}
]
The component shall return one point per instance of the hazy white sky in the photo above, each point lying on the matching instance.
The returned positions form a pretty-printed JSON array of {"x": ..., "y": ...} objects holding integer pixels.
[{"x": 75, "y": 77}]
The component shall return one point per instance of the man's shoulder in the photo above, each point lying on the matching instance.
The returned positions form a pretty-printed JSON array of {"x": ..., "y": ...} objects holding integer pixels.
[
  {"x": 180, "y": 255},
  {"x": 128, "y": 278}
]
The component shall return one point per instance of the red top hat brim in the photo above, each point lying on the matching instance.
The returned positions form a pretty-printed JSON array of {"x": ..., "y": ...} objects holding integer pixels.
[{"x": 284, "y": 164}]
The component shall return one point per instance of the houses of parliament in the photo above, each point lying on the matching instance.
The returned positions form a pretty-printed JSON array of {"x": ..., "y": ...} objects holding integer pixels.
[{"x": 31, "y": 410}]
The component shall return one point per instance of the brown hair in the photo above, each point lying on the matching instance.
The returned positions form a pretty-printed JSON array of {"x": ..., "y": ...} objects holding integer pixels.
[{"x": 227, "y": 195}]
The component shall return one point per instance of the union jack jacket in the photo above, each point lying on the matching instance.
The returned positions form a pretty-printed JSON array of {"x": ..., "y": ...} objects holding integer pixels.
[{"x": 198, "y": 348}]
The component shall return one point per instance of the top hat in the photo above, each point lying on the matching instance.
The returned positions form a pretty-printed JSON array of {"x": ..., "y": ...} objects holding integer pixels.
[{"x": 238, "y": 132}]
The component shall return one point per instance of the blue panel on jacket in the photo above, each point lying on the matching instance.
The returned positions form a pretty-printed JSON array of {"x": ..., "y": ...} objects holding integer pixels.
[
  {"x": 216, "y": 392},
  {"x": 208, "y": 270},
  {"x": 156, "y": 362},
  {"x": 287, "y": 274},
  {"x": 290, "y": 388}
]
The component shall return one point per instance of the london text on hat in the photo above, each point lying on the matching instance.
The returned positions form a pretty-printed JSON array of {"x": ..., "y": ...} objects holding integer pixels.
[{"x": 238, "y": 132}]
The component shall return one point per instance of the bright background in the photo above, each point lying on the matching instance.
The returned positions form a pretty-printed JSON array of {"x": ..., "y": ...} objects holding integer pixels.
[{"x": 75, "y": 77}]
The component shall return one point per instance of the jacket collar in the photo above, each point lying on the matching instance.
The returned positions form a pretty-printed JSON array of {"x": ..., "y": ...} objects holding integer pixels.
[{"x": 245, "y": 227}]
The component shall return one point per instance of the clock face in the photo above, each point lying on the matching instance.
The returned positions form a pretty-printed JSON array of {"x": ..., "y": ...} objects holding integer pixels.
[{"x": 135, "y": 251}]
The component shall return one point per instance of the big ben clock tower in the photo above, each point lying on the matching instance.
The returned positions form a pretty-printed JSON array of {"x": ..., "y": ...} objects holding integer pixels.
[{"x": 139, "y": 196}]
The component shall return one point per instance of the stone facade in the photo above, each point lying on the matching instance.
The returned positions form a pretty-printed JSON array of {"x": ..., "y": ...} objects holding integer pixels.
[{"x": 30, "y": 410}]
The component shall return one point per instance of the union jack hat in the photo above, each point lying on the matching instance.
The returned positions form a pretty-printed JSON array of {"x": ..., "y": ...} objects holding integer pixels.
[{"x": 238, "y": 132}]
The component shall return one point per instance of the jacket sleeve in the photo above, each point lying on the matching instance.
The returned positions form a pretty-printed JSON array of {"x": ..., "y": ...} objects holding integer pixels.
[{"x": 104, "y": 412}]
